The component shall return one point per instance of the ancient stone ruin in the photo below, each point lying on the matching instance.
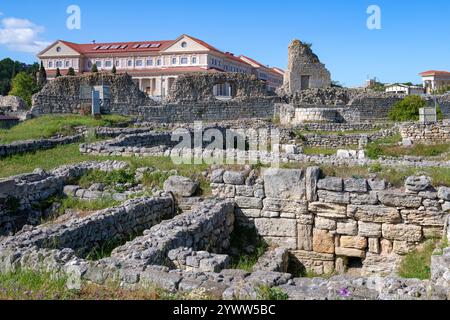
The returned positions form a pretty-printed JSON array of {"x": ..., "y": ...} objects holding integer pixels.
[{"x": 305, "y": 71}]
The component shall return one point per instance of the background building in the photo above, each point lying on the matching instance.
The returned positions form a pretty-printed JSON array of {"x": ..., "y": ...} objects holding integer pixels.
[
  {"x": 404, "y": 89},
  {"x": 153, "y": 65},
  {"x": 435, "y": 80}
]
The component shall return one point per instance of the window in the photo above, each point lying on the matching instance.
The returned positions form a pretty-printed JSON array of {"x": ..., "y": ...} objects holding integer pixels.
[
  {"x": 117, "y": 63},
  {"x": 50, "y": 64},
  {"x": 58, "y": 49},
  {"x": 194, "y": 60},
  {"x": 158, "y": 62},
  {"x": 138, "y": 63},
  {"x": 184, "y": 61},
  {"x": 67, "y": 64},
  {"x": 130, "y": 63},
  {"x": 149, "y": 62},
  {"x": 222, "y": 90},
  {"x": 184, "y": 44},
  {"x": 89, "y": 64},
  {"x": 174, "y": 60},
  {"x": 59, "y": 64},
  {"x": 98, "y": 63},
  {"x": 108, "y": 64}
]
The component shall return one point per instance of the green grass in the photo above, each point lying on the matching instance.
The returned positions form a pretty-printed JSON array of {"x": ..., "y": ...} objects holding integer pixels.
[
  {"x": 417, "y": 150},
  {"x": 87, "y": 205},
  {"x": 417, "y": 264},
  {"x": 51, "y": 125},
  {"x": 319, "y": 151},
  {"x": 112, "y": 179},
  {"x": 241, "y": 238},
  {"x": 271, "y": 294}
]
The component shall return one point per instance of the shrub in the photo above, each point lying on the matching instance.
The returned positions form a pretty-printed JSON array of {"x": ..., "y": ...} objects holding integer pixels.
[
  {"x": 58, "y": 73},
  {"x": 271, "y": 294},
  {"x": 71, "y": 72},
  {"x": 407, "y": 109},
  {"x": 114, "y": 70},
  {"x": 24, "y": 86},
  {"x": 94, "y": 68}
]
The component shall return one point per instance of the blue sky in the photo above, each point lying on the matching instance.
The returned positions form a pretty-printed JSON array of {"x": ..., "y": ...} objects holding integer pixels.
[{"x": 413, "y": 38}]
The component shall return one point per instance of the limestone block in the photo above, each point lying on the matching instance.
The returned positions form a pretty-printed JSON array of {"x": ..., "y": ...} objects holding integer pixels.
[
  {"x": 369, "y": 229},
  {"x": 285, "y": 184},
  {"x": 271, "y": 214},
  {"x": 223, "y": 190},
  {"x": 276, "y": 227},
  {"x": 355, "y": 185},
  {"x": 370, "y": 213},
  {"x": 323, "y": 241},
  {"x": 249, "y": 203},
  {"x": 234, "y": 177},
  {"x": 302, "y": 255},
  {"x": 249, "y": 213},
  {"x": 305, "y": 219},
  {"x": 244, "y": 191},
  {"x": 312, "y": 178},
  {"x": 334, "y": 197},
  {"x": 402, "y": 232},
  {"x": 376, "y": 185},
  {"x": 423, "y": 218},
  {"x": 374, "y": 245},
  {"x": 398, "y": 199},
  {"x": 304, "y": 237},
  {"x": 331, "y": 184},
  {"x": 217, "y": 176},
  {"x": 348, "y": 227},
  {"x": 328, "y": 210},
  {"x": 324, "y": 223},
  {"x": 181, "y": 186},
  {"x": 386, "y": 247},
  {"x": 432, "y": 232},
  {"x": 444, "y": 193},
  {"x": 349, "y": 252},
  {"x": 370, "y": 198},
  {"x": 283, "y": 242},
  {"x": 402, "y": 247},
  {"x": 353, "y": 242},
  {"x": 283, "y": 205},
  {"x": 417, "y": 184}
]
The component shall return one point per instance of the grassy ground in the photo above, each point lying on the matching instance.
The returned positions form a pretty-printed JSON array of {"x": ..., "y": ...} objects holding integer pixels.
[
  {"x": 418, "y": 150},
  {"x": 48, "y": 126},
  {"x": 416, "y": 265},
  {"x": 325, "y": 151}
]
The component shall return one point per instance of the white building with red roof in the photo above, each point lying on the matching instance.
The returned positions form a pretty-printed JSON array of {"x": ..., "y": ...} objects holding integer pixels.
[
  {"x": 435, "y": 80},
  {"x": 154, "y": 65}
]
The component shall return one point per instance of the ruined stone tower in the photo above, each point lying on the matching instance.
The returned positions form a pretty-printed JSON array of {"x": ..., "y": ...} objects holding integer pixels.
[{"x": 304, "y": 70}]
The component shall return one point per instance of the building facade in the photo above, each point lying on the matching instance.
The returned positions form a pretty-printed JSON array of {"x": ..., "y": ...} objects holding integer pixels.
[
  {"x": 435, "y": 80},
  {"x": 404, "y": 89},
  {"x": 153, "y": 65}
]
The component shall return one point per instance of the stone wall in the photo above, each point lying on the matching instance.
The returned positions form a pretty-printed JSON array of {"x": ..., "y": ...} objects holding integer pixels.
[
  {"x": 62, "y": 95},
  {"x": 191, "y": 88},
  {"x": 19, "y": 194},
  {"x": 325, "y": 222},
  {"x": 34, "y": 145},
  {"x": 209, "y": 111},
  {"x": 432, "y": 133},
  {"x": 12, "y": 104}
]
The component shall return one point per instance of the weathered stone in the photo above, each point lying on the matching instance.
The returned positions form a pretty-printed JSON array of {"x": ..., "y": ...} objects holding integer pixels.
[
  {"x": 217, "y": 176},
  {"x": 402, "y": 232},
  {"x": 181, "y": 186},
  {"x": 386, "y": 247},
  {"x": 305, "y": 219},
  {"x": 324, "y": 224},
  {"x": 379, "y": 214},
  {"x": 377, "y": 185},
  {"x": 244, "y": 191},
  {"x": 323, "y": 241},
  {"x": 370, "y": 198},
  {"x": 368, "y": 229},
  {"x": 249, "y": 213},
  {"x": 423, "y": 218},
  {"x": 304, "y": 237},
  {"x": 417, "y": 184},
  {"x": 353, "y": 242},
  {"x": 331, "y": 184},
  {"x": 70, "y": 191},
  {"x": 433, "y": 232},
  {"x": 312, "y": 178},
  {"x": 234, "y": 178},
  {"x": 348, "y": 227},
  {"x": 374, "y": 245},
  {"x": 348, "y": 252},
  {"x": 444, "y": 193},
  {"x": 223, "y": 190},
  {"x": 402, "y": 247},
  {"x": 328, "y": 210},
  {"x": 355, "y": 185},
  {"x": 284, "y": 184},
  {"x": 276, "y": 227},
  {"x": 283, "y": 205},
  {"x": 334, "y": 197},
  {"x": 249, "y": 203},
  {"x": 397, "y": 199}
]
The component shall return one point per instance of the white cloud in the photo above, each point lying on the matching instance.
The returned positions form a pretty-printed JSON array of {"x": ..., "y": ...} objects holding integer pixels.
[{"x": 21, "y": 35}]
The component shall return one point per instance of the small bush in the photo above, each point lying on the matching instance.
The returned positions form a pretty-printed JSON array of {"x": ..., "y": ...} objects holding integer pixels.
[
  {"x": 271, "y": 294},
  {"x": 408, "y": 109}
]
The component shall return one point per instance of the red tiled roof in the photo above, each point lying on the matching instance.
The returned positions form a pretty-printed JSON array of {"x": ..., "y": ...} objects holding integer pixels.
[{"x": 434, "y": 73}]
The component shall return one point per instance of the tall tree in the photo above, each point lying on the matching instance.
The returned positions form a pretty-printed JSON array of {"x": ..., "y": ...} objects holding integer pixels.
[
  {"x": 114, "y": 70},
  {"x": 42, "y": 77},
  {"x": 94, "y": 68},
  {"x": 58, "y": 73},
  {"x": 71, "y": 72},
  {"x": 24, "y": 86}
]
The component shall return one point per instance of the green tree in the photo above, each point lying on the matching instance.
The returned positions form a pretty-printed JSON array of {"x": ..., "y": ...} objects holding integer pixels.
[
  {"x": 94, "y": 68},
  {"x": 58, "y": 73},
  {"x": 24, "y": 86},
  {"x": 408, "y": 109},
  {"x": 71, "y": 72},
  {"x": 42, "y": 76},
  {"x": 114, "y": 70}
]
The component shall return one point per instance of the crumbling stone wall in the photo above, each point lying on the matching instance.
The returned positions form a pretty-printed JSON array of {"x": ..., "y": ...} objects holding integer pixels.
[
  {"x": 326, "y": 221},
  {"x": 431, "y": 133},
  {"x": 12, "y": 104},
  {"x": 62, "y": 95},
  {"x": 303, "y": 62},
  {"x": 191, "y": 88}
]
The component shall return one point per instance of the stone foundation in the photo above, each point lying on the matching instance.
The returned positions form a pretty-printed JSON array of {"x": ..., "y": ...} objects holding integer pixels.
[{"x": 433, "y": 133}]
